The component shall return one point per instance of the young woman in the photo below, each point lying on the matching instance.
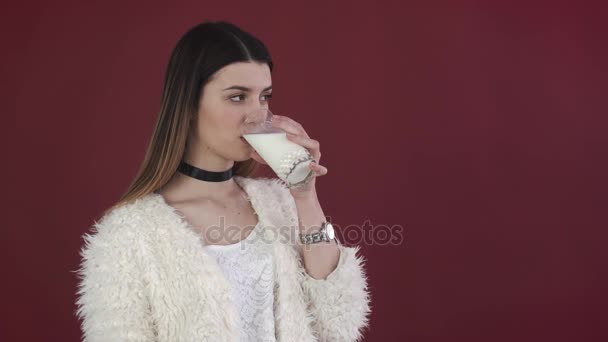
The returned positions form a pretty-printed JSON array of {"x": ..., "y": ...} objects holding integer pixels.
[{"x": 196, "y": 250}]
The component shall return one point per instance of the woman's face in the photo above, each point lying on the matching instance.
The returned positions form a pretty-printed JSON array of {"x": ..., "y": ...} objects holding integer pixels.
[{"x": 231, "y": 93}]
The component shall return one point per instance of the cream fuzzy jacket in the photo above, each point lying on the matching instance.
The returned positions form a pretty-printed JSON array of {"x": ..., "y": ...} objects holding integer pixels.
[{"x": 144, "y": 276}]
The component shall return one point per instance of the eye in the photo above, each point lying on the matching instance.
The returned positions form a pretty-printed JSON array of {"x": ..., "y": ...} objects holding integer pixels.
[
  {"x": 235, "y": 96},
  {"x": 241, "y": 97}
]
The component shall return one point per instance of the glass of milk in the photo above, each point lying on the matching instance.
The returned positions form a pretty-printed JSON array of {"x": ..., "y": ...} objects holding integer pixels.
[{"x": 287, "y": 159}]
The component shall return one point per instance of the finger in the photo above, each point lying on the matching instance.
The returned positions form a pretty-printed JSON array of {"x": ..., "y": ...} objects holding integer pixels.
[
  {"x": 318, "y": 169},
  {"x": 304, "y": 141},
  {"x": 311, "y": 144},
  {"x": 288, "y": 125}
]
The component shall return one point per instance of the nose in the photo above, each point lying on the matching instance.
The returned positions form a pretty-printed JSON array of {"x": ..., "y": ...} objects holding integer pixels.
[{"x": 259, "y": 114}]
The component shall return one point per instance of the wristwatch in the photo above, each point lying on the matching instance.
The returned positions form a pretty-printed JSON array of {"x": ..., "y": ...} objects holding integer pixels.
[{"x": 326, "y": 233}]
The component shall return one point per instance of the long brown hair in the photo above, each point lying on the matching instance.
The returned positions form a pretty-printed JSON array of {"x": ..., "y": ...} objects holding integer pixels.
[{"x": 202, "y": 51}]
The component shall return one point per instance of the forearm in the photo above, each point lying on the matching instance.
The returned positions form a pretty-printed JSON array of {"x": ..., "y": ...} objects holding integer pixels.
[{"x": 320, "y": 259}]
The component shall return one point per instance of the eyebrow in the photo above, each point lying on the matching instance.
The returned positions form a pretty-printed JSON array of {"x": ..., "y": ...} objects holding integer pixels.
[{"x": 245, "y": 88}]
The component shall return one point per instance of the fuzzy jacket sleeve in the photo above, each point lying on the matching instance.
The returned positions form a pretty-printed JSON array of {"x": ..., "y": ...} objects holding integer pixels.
[
  {"x": 110, "y": 298},
  {"x": 340, "y": 303}
]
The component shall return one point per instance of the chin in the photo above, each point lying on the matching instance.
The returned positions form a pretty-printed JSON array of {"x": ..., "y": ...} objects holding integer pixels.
[
  {"x": 240, "y": 160},
  {"x": 239, "y": 152},
  {"x": 242, "y": 156}
]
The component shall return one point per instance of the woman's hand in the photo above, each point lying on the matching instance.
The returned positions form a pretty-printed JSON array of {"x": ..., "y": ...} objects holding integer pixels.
[{"x": 297, "y": 134}]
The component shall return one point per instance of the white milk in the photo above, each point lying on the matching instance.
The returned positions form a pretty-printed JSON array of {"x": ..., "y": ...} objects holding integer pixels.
[{"x": 282, "y": 155}]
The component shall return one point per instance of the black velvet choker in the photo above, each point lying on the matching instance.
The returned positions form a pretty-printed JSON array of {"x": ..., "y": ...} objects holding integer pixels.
[{"x": 204, "y": 175}]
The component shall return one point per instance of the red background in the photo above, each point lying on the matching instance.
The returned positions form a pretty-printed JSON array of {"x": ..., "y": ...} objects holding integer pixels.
[{"x": 478, "y": 127}]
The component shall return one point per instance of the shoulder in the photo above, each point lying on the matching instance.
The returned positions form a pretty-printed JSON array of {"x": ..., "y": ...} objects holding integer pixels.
[{"x": 124, "y": 227}]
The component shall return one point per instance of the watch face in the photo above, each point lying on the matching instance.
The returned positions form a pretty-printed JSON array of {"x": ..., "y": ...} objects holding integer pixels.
[{"x": 330, "y": 231}]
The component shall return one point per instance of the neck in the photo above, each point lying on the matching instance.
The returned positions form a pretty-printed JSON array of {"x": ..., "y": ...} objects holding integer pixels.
[{"x": 185, "y": 187}]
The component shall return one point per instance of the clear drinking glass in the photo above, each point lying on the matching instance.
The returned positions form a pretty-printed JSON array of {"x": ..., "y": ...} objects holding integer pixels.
[{"x": 287, "y": 159}]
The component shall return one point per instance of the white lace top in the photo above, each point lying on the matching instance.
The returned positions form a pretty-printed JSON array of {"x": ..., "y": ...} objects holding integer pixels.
[{"x": 249, "y": 267}]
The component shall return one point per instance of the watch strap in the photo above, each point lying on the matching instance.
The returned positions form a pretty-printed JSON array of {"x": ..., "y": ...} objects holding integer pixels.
[{"x": 315, "y": 237}]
